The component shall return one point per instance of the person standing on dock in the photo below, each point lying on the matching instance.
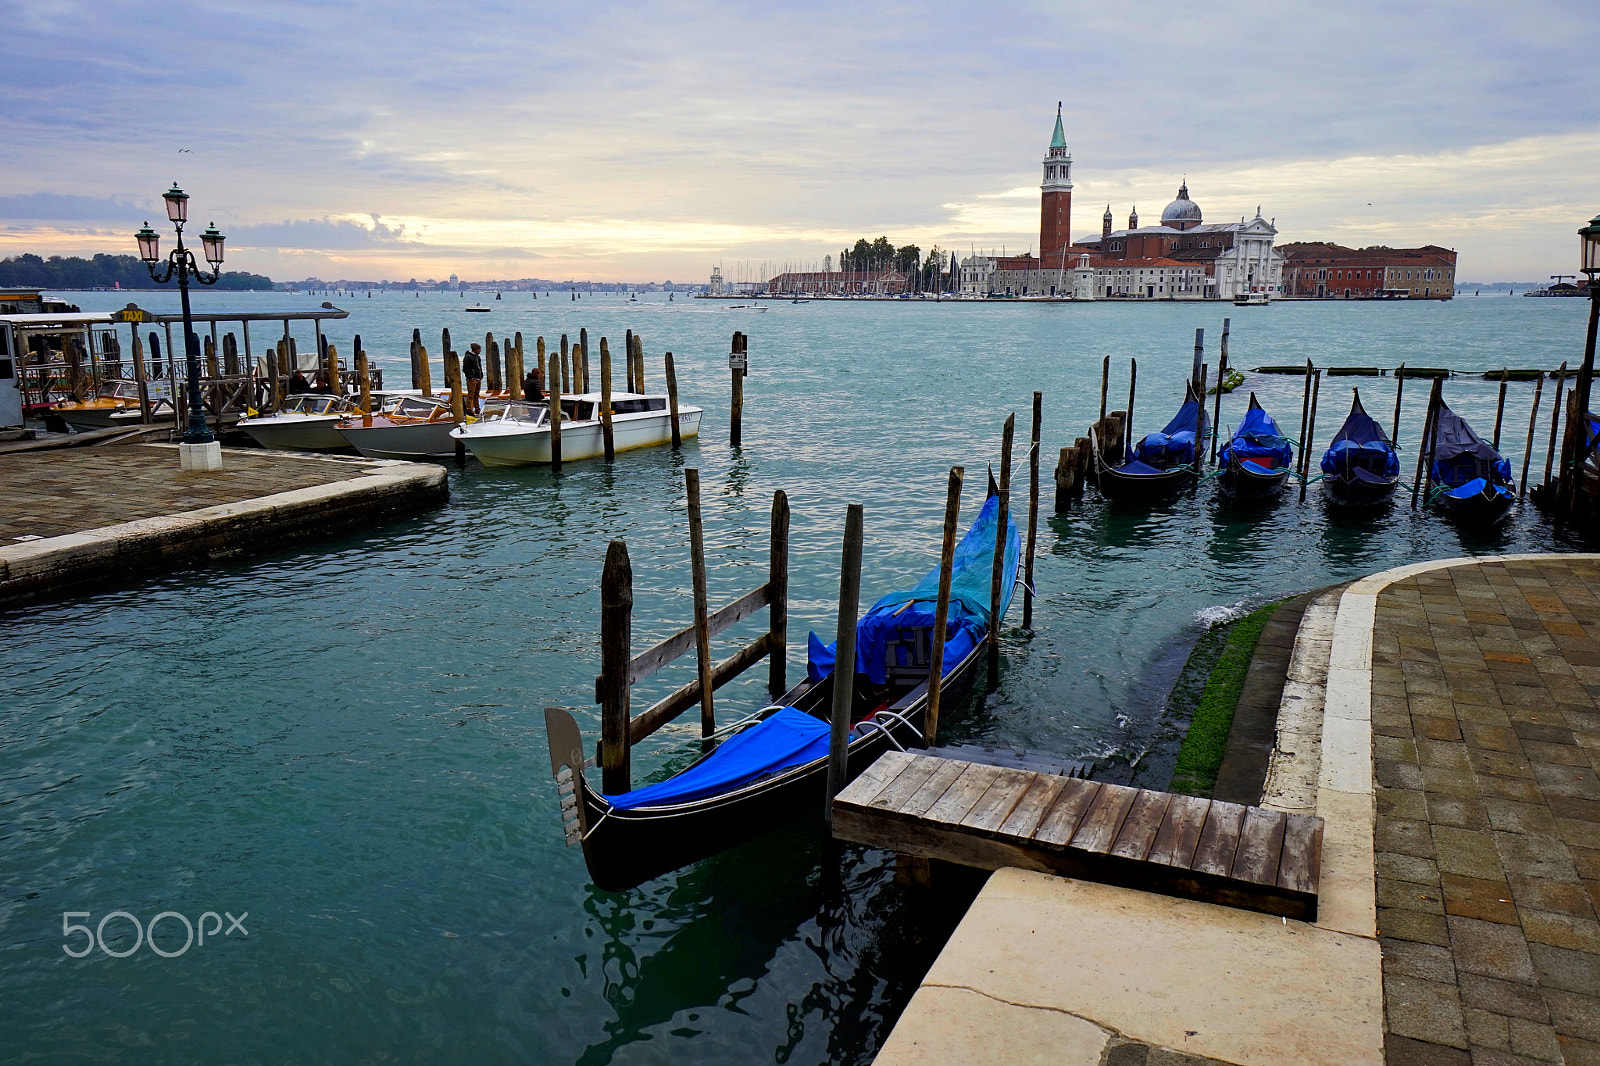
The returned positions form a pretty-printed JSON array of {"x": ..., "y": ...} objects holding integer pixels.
[{"x": 472, "y": 370}]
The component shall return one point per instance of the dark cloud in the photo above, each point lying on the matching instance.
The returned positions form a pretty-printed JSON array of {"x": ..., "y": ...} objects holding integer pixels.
[{"x": 65, "y": 208}]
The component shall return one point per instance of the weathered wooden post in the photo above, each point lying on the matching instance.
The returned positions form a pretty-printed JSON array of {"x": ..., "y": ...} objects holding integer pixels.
[
  {"x": 616, "y": 649},
  {"x": 1000, "y": 538},
  {"x": 638, "y": 363},
  {"x": 1105, "y": 384},
  {"x": 514, "y": 370},
  {"x": 365, "y": 380},
  {"x": 416, "y": 373},
  {"x": 1555, "y": 420},
  {"x": 947, "y": 552},
  {"x": 1033, "y": 513},
  {"x": 1423, "y": 480},
  {"x": 230, "y": 355},
  {"x": 522, "y": 370},
  {"x": 1311, "y": 432},
  {"x": 139, "y": 377},
  {"x": 212, "y": 371},
  {"x": 697, "y": 566},
  {"x": 605, "y": 401},
  {"x": 672, "y": 401},
  {"x": 1305, "y": 413},
  {"x": 1216, "y": 407},
  {"x": 566, "y": 367},
  {"x": 1533, "y": 426},
  {"x": 1399, "y": 391},
  {"x": 737, "y": 361},
  {"x": 778, "y": 589},
  {"x": 580, "y": 368},
  {"x": 491, "y": 350},
  {"x": 452, "y": 379},
  {"x": 627, "y": 354},
  {"x": 552, "y": 389},
  {"x": 1127, "y": 419},
  {"x": 844, "y": 660},
  {"x": 1194, "y": 374},
  {"x": 1500, "y": 409}
]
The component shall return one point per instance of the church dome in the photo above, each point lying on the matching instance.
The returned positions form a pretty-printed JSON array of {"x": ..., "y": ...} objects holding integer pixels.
[{"x": 1183, "y": 211}]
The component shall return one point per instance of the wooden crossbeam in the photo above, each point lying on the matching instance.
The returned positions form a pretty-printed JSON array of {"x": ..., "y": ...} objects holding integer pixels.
[
  {"x": 660, "y": 713},
  {"x": 648, "y": 662},
  {"x": 991, "y": 816}
]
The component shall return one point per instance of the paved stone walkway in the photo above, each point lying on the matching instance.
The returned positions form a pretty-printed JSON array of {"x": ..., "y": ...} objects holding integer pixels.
[
  {"x": 1486, "y": 742},
  {"x": 50, "y": 493}
]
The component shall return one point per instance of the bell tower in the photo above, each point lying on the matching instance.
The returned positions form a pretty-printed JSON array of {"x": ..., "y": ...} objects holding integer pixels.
[
  {"x": 1055, "y": 201},
  {"x": 1105, "y": 226}
]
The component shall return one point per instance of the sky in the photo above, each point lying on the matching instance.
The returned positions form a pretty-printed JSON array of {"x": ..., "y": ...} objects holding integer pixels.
[{"x": 649, "y": 141}]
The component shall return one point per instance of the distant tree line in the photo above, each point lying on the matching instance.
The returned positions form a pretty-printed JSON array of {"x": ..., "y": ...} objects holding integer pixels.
[
  {"x": 928, "y": 274},
  {"x": 101, "y": 272}
]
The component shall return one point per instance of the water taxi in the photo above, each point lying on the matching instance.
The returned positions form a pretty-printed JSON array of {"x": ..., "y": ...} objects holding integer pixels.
[
  {"x": 417, "y": 427},
  {"x": 519, "y": 433},
  {"x": 117, "y": 404}
]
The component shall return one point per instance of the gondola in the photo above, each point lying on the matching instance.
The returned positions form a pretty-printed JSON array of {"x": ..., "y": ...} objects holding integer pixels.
[
  {"x": 1472, "y": 481},
  {"x": 776, "y": 767},
  {"x": 1361, "y": 467},
  {"x": 1161, "y": 463},
  {"x": 1257, "y": 458}
]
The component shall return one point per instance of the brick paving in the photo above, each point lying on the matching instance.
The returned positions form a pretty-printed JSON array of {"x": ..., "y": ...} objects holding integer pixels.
[
  {"x": 1486, "y": 743},
  {"x": 49, "y": 493}
]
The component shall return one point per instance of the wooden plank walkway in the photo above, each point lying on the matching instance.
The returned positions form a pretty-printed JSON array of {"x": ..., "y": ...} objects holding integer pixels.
[{"x": 993, "y": 816}]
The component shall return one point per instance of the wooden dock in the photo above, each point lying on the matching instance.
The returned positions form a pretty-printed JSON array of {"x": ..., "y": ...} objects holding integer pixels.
[{"x": 994, "y": 816}]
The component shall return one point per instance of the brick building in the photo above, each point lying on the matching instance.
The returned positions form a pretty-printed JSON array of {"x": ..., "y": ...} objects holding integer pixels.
[{"x": 1320, "y": 270}]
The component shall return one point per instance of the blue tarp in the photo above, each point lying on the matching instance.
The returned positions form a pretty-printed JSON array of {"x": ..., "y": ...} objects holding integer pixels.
[
  {"x": 1362, "y": 449},
  {"x": 1258, "y": 439},
  {"x": 1175, "y": 444},
  {"x": 968, "y": 620},
  {"x": 787, "y": 738},
  {"x": 1461, "y": 456}
]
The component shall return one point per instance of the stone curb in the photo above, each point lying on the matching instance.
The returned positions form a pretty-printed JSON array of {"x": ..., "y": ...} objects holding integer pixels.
[{"x": 44, "y": 568}]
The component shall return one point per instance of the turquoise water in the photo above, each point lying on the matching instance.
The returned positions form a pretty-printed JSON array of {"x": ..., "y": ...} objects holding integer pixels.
[{"x": 347, "y": 742}]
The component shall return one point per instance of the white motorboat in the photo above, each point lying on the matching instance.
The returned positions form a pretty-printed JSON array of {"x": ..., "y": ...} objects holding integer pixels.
[
  {"x": 308, "y": 422},
  {"x": 413, "y": 428},
  {"x": 519, "y": 434},
  {"x": 1251, "y": 299},
  {"x": 116, "y": 405}
]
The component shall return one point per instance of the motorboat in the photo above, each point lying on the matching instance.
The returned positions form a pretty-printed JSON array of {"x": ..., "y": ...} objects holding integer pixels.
[
  {"x": 518, "y": 434},
  {"x": 1256, "y": 459},
  {"x": 113, "y": 405},
  {"x": 478, "y": 308},
  {"x": 1251, "y": 299},
  {"x": 413, "y": 428},
  {"x": 308, "y": 422}
]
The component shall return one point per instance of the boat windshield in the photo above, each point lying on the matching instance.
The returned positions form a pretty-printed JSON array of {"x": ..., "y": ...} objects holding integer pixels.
[
  {"x": 312, "y": 404},
  {"x": 416, "y": 407},
  {"x": 531, "y": 414}
]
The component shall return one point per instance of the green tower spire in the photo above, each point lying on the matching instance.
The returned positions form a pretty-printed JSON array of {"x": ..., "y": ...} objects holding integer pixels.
[{"x": 1060, "y": 139}]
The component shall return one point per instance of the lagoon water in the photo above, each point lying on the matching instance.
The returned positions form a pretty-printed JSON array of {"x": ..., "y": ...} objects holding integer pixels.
[{"x": 346, "y": 741}]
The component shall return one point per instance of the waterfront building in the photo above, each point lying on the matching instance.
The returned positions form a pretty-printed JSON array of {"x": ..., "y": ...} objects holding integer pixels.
[
  {"x": 717, "y": 288},
  {"x": 977, "y": 272},
  {"x": 1322, "y": 270},
  {"x": 1185, "y": 257}
]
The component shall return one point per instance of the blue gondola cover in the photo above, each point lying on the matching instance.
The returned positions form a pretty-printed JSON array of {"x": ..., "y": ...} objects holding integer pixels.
[
  {"x": 786, "y": 738},
  {"x": 968, "y": 621},
  {"x": 1362, "y": 447},
  {"x": 1174, "y": 445},
  {"x": 1258, "y": 439},
  {"x": 1461, "y": 457}
]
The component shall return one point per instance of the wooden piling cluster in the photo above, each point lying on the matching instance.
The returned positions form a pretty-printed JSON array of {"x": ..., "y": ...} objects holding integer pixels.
[{"x": 620, "y": 669}]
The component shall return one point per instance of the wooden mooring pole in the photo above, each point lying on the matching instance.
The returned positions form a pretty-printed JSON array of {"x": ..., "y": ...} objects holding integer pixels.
[
  {"x": 566, "y": 372},
  {"x": 616, "y": 652},
  {"x": 1199, "y": 356},
  {"x": 580, "y": 368},
  {"x": 1127, "y": 419},
  {"x": 605, "y": 401},
  {"x": 1105, "y": 384},
  {"x": 697, "y": 565},
  {"x": 778, "y": 589},
  {"x": 1000, "y": 538},
  {"x": 638, "y": 363},
  {"x": 1311, "y": 432},
  {"x": 1533, "y": 426},
  {"x": 1555, "y": 421},
  {"x": 364, "y": 377},
  {"x": 627, "y": 355},
  {"x": 1033, "y": 513},
  {"x": 1399, "y": 391},
  {"x": 947, "y": 552},
  {"x": 844, "y": 660},
  {"x": 1216, "y": 407},
  {"x": 738, "y": 359},
  {"x": 416, "y": 374},
  {"x": 1423, "y": 481},
  {"x": 1500, "y": 409},
  {"x": 672, "y": 402},
  {"x": 552, "y": 390},
  {"x": 452, "y": 378}
]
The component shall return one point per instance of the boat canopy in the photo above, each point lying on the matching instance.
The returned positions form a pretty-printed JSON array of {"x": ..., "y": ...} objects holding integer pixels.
[
  {"x": 786, "y": 738},
  {"x": 1258, "y": 440},
  {"x": 1460, "y": 455},
  {"x": 1175, "y": 444},
  {"x": 968, "y": 621},
  {"x": 1362, "y": 447}
]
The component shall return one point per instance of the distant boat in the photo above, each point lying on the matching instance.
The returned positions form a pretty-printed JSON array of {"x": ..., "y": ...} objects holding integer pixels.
[
  {"x": 1560, "y": 288},
  {"x": 1251, "y": 299},
  {"x": 497, "y": 296},
  {"x": 479, "y": 308}
]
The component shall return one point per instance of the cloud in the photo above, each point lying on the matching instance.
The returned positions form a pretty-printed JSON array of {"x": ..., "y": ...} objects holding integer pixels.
[
  {"x": 63, "y": 207},
  {"x": 326, "y": 234}
]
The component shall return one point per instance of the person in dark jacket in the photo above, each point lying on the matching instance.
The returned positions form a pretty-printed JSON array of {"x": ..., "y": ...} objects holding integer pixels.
[
  {"x": 298, "y": 383},
  {"x": 472, "y": 370},
  {"x": 533, "y": 385}
]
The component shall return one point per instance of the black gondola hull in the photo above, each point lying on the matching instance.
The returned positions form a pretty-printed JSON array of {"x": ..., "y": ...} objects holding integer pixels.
[
  {"x": 1116, "y": 485},
  {"x": 1356, "y": 494},
  {"x": 1480, "y": 509},
  {"x": 1240, "y": 482}
]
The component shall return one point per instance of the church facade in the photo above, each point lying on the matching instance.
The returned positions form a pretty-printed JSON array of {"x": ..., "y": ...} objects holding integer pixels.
[{"x": 1181, "y": 258}]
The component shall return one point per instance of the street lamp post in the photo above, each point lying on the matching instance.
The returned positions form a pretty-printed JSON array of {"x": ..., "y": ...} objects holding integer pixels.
[
  {"x": 181, "y": 261},
  {"x": 1578, "y": 432}
]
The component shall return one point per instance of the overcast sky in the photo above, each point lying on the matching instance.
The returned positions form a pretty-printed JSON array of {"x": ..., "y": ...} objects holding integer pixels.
[{"x": 649, "y": 141}]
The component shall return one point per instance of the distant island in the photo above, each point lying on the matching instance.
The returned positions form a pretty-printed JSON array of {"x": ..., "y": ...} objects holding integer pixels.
[
  {"x": 455, "y": 284},
  {"x": 101, "y": 272}
]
